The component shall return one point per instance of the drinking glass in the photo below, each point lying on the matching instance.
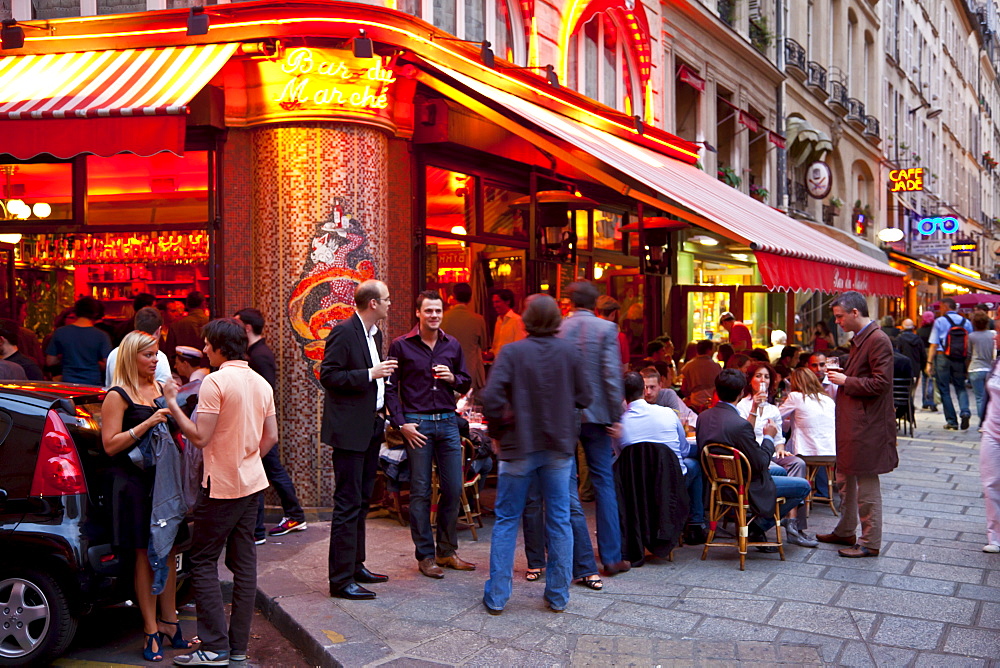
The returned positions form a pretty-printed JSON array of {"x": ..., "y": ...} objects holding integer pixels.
[
  {"x": 434, "y": 374},
  {"x": 388, "y": 379}
]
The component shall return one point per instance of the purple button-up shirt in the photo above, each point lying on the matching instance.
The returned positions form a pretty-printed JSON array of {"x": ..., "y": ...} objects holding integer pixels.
[{"x": 411, "y": 389}]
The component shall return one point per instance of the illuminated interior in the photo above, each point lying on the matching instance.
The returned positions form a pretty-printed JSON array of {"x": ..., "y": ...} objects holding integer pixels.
[{"x": 162, "y": 189}]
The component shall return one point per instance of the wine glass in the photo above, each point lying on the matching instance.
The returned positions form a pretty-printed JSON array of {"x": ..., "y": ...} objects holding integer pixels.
[
  {"x": 434, "y": 374},
  {"x": 388, "y": 379}
]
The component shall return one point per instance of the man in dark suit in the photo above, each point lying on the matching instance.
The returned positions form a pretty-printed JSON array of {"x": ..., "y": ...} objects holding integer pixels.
[
  {"x": 723, "y": 424},
  {"x": 353, "y": 375}
]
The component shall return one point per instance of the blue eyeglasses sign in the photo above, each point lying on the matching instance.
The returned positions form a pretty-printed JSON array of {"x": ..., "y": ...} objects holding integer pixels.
[{"x": 946, "y": 224}]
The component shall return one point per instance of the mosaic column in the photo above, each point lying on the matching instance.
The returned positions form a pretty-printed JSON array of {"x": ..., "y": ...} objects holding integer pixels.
[{"x": 319, "y": 211}]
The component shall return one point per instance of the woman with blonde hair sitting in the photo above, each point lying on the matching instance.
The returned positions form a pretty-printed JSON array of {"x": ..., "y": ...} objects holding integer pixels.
[
  {"x": 812, "y": 414},
  {"x": 128, "y": 413}
]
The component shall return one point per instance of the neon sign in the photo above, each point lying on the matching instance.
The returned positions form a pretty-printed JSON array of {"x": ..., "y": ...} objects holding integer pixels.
[
  {"x": 907, "y": 180},
  {"x": 947, "y": 224}
]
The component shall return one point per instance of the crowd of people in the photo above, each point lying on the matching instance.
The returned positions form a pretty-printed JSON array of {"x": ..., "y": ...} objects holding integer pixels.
[{"x": 568, "y": 415}]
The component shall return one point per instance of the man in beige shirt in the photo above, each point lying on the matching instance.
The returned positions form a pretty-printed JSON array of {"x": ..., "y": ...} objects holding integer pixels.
[
  {"x": 470, "y": 329},
  {"x": 236, "y": 425},
  {"x": 508, "y": 327}
]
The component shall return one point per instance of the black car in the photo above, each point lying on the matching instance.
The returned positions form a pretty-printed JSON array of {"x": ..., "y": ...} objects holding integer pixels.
[{"x": 56, "y": 556}]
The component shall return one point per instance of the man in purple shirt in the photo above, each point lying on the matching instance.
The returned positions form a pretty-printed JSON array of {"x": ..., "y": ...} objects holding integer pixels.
[{"x": 420, "y": 396}]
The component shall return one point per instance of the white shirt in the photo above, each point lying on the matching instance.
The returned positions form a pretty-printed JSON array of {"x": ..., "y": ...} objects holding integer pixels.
[
  {"x": 829, "y": 388},
  {"x": 162, "y": 374},
  {"x": 649, "y": 423},
  {"x": 813, "y": 430},
  {"x": 373, "y": 351},
  {"x": 768, "y": 412}
]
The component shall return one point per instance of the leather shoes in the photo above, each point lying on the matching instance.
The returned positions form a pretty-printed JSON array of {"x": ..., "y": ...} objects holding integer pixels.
[
  {"x": 456, "y": 563},
  {"x": 858, "y": 551},
  {"x": 835, "y": 539},
  {"x": 367, "y": 577},
  {"x": 492, "y": 611},
  {"x": 430, "y": 569},
  {"x": 353, "y": 592},
  {"x": 615, "y": 569}
]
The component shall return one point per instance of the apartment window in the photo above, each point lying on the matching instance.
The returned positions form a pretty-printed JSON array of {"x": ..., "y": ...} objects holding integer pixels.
[
  {"x": 601, "y": 67},
  {"x": 498, "y": 21}
]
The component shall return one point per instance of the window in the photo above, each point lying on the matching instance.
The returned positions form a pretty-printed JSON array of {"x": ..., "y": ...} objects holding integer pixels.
[
  {"x": 497, "y": 21},
  {"x": 127, "y": 189},
  {"x": 600, "y": 64}
]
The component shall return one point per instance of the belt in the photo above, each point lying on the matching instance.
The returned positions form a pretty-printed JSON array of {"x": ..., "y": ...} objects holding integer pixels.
[{"x": 430, "y": 416}]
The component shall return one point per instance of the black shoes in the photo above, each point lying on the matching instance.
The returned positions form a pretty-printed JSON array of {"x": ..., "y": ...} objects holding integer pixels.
[
  {"x": 695, "y": 534},
  {"x": 365, "y": 576},
  {"x": 353, "y": 592},
  {"x": 965, "y": 422}
]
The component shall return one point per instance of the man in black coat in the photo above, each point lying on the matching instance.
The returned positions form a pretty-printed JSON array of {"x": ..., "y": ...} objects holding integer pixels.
[
  {"x": 723, "y": 424},
  {"x": 353, "y": 375}
]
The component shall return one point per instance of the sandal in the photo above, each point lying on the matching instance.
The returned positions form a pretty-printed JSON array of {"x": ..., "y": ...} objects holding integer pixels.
[
  {"x": 177, "y": 641},
  {"x": 591, "y": 582},
  {"x": 533, "y": 574},
  {"x": 148, "y": 653}
]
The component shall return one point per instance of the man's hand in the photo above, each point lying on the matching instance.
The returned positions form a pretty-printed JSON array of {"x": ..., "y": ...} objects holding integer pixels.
[
  {"x": 170, "y": 391},
  {"x": 770, "y": 429},
  {"x": 779, "y": 451},
  {"x": 443, "y": 372},
  {"x": 836, "y": 377},
  {"x": 384, "y": 369},
  {"x": 412, "y": 435},
  {"x": 614, "y": 430}
]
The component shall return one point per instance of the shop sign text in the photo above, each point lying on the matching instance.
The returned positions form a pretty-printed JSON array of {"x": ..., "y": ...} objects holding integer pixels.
[
  {"x": 314, "y": 78},
  {"x": 907, "y": 180}
]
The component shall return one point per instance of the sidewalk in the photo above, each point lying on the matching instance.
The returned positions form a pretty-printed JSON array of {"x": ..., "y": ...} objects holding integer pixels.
[{"x": 931, "y": 599}]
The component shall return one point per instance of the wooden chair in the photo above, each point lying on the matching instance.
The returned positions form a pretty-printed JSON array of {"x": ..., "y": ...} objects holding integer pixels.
[
  {"x": 727, "y": 471},
  {"x": 471, "y": 517},
  {"x": 813, "y": 465}
]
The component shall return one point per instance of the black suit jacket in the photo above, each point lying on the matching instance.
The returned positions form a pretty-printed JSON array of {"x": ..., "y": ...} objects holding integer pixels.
[
  {"x": 723, "y": 424},
  {"x": 350, "y": 396}
]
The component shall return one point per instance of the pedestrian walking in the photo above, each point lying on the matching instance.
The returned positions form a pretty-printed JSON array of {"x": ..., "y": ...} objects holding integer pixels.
[
  {"x": 236, "y": 425},
  {"x": 989, "y": 458},
  {"x": 982, "y": 352},
  {"x": 260, "y": 357},
  {"x": 865, "y": 428},
  {"x": 353, "y": 374},
  {"x": 947, "y": 359},
  {"x": 929, "y": 384},
  {"x": 421, "y": 402},
  {"x": 128, "y": 412},
  {"x": 533, "y": 391}
]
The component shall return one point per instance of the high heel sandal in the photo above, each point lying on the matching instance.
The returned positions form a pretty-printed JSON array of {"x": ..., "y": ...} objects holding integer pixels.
[
  {"x": 533, "y": 574},
  {"x": 147, "y": 652},
  {"x": 177, "y": 641}
]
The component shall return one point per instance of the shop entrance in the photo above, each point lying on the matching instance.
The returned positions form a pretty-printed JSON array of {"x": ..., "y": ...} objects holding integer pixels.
[{"x": 761, "y": 310}]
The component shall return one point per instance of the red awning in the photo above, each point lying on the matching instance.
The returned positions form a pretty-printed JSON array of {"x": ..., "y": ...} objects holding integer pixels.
[
  {"x": 102, "y": 102},
  {"x": 780, "y": 272}
]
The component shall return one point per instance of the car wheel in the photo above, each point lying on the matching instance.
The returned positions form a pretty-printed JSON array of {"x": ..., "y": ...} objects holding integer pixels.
[{"x": 35, "y": 621}]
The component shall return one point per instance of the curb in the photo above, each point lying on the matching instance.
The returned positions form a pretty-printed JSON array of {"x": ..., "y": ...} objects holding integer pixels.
[{"x": 296, "y": 634}]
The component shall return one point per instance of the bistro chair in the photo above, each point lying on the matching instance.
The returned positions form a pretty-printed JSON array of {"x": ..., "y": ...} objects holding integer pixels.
[
  {"x": 728, "y": 473},
  {"x": 813, "y": 465},
  {"x": 466, "y": 512},
  {"x": 902, "y": 400}
]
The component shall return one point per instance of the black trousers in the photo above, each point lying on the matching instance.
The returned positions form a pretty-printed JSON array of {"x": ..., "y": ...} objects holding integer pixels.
[
  {"x": 285, "y": 488},
  {"x": 354, "y": 476},
  {"x": 229, "y": 524}
]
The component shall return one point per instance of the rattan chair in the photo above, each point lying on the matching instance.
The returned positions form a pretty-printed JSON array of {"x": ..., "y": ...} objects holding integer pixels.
[
  {"x": 814, "y": 464},
  {"x": 727, "y": 471}
]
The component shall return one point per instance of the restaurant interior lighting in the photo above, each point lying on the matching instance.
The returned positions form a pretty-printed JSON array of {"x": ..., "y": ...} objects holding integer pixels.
[
  {"x": 197, "y": 23},
  {"x": 10, "y": 238},
  {"x": 705, "y": 240},
  {"x": 459, "y": 229},
  {"x": 890, "y": 234},
  {"x": 362, "y": 46},
  {"x": 12, "y": 208}
]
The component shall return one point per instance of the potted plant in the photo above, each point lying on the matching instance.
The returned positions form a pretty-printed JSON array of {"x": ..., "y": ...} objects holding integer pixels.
[
  {"x": 729, "y": 176},
  {"x": 835, "y": 205},
  {"x": 759, "y": 193}
]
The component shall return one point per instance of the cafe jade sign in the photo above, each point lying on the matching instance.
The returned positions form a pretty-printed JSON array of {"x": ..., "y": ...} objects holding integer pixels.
[
  {"x": 906, "y": 180},
  {"x": 319, "y": 84}
]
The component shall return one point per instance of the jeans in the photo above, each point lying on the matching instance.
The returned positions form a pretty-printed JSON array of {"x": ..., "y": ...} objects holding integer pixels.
[
  {"x": 795, "y": 491},
  {"x": 551, "y": 471},
  {"x": 597, "y": 446},
  {"x": 978, "y": 380},
  {"x": 951, "y": 374},
  {"x": 695, "y": 482},
  {"x": 928, "y": 390},
  {"x": 443, "y": 447},
  {"x": 584, "y": 563},
  {"x": 283, "y": 487},
  {"x": 533, "y": 525}
]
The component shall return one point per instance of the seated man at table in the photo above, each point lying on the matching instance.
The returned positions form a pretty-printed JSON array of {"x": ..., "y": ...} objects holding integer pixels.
[
  {"x": 645, "y": 421},
  {"x": 699, "y": 375},
  {"x": 724, "y": 425}
]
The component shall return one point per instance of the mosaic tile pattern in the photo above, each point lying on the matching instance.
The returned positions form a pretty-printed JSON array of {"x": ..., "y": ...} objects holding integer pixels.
[{"x": 299, "y": 172}]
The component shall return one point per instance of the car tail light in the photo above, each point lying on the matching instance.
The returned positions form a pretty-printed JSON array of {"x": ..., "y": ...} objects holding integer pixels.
[{"x": 58, "y": 471}]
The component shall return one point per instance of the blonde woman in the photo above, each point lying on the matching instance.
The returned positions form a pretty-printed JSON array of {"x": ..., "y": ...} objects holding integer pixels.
[
  {"x": 812, "y": 414},
  {"x": 128, "y": 413}
]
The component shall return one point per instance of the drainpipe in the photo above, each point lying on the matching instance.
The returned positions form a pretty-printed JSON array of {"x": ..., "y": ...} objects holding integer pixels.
[{"x": 779, "y": 28}]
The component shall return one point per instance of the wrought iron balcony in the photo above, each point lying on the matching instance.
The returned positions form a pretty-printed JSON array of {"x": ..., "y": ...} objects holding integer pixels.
[
  {"x": 873, "y": 131},
  {"x": 839, "y": 99},
  {"x": 856, "y": 112},
  {"x": 816, "y": 78},
  {"x": 795, "y": 59}
]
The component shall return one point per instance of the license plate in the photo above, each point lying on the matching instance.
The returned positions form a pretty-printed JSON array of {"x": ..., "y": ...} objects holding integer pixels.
[{"x": 179, "y": 559}]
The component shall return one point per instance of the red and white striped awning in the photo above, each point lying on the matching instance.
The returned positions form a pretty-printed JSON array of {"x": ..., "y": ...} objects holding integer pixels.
[{"x": 101, "y": 85}]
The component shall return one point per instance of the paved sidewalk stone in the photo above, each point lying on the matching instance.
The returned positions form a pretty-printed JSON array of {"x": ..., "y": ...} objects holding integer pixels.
[{"x": 931, "y": 599}]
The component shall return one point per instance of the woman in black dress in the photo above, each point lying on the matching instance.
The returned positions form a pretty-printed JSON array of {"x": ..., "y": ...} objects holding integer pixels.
[{"x": 128, "y": 413}]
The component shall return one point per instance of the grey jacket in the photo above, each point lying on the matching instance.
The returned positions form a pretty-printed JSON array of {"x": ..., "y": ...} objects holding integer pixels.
[
  {"x": 169, "y": 506},
  {"x": 596, "y": 342}
]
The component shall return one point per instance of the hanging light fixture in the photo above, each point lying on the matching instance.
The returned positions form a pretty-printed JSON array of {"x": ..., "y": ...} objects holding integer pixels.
[{"x": 12, "y": 208}]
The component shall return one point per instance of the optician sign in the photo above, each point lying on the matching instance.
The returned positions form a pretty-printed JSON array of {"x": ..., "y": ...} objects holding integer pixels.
[
  {"x": 906, "y": 180},
  {"x": 947, "y": 225}
]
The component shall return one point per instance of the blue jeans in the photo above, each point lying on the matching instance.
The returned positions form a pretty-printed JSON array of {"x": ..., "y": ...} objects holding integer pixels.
[
  {"x": 928, "y": 390},
  {"x": 584, "y": 563},
  {"x": 695, "y": 483},
  {"x": 978, "y": 380},
  {"x": 597, "y": 447},
  {"x": 443, "y": 447},
  {"x": 551, "y": 470},
  {"x": 951, "y": 374},
  {"x": 795, "y": 491}
]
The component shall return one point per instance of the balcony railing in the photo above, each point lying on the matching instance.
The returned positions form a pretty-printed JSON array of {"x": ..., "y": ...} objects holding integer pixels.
[
  {"x": 816, "y": 77},
  {"x": 856, "y": 112},
  {"x": 838, "y": 97},
  {"x": 873, "y": 130},
  {"x": 795, "y": 58}
]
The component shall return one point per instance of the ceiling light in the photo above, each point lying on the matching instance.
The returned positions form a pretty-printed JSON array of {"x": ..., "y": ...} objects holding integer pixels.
[
  {"x": 41, "y": 210},
  {"x": 742, "y": 257},
  {"x": 10, "y": 238},
  {"x": 705, "y": 240},
  {"x": 459, "y": 229}
]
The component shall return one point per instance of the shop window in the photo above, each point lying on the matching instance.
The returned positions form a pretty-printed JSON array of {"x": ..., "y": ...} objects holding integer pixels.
[
  {"x": 607, "y": 230},
  {"x": 497, "y": 21},
  {"x": 39, "y": 191},
  {"x": 451, "y": 201},
  {"x": 499, "y": 216},
  {"x": 600, "y": 65},
  {"x": 163, "y": 189}
]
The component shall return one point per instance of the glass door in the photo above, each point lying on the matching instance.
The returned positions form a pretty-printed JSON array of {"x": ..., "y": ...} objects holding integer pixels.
[{"x": 701, "y": 307}]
